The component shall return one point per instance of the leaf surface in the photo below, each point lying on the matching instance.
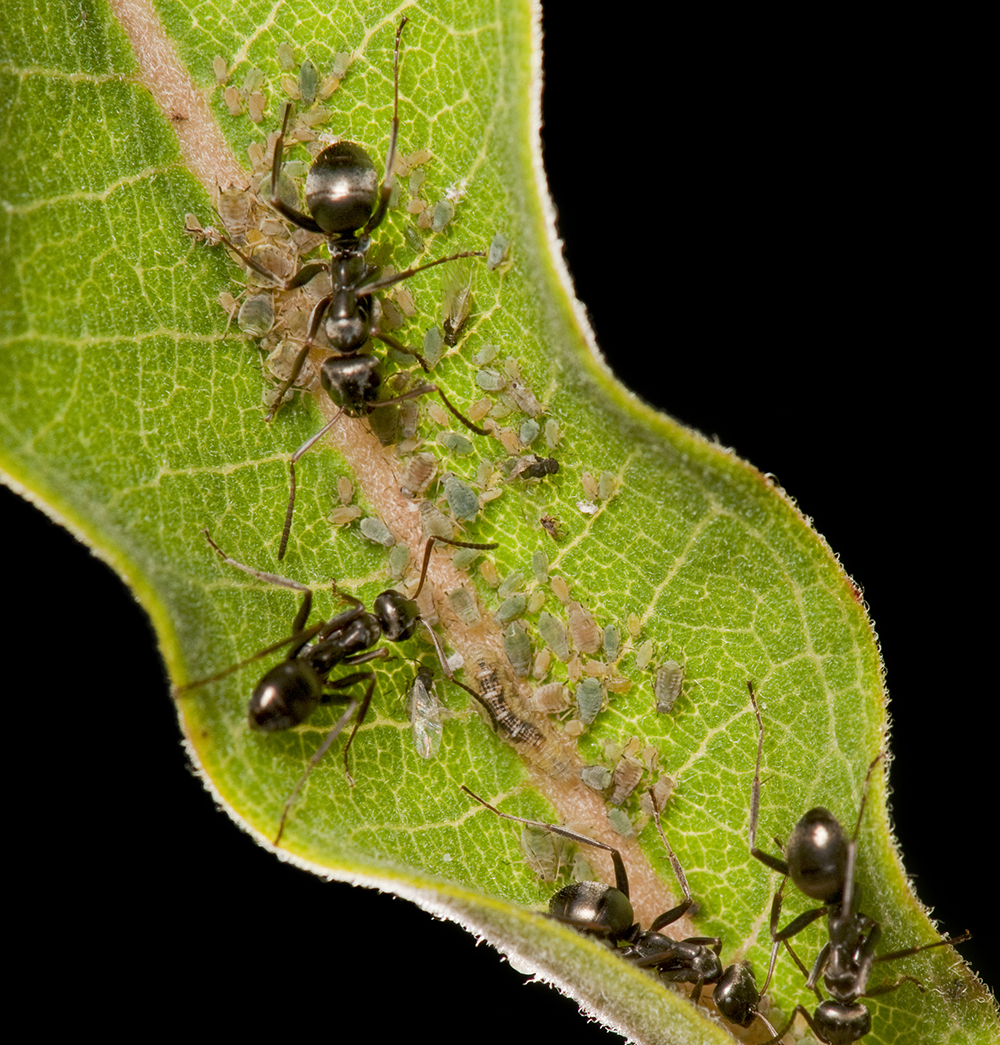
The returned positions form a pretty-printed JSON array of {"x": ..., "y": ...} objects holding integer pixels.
[{"x": 134, "y": 416}]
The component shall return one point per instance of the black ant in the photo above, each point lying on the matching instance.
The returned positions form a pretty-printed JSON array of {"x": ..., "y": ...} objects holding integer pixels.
[
  {"x": 289, "y": 693},
  {"x": 606, "y": 912},
  {"x": 821, "y": 862},
  {"x": 345, "y": 205}
]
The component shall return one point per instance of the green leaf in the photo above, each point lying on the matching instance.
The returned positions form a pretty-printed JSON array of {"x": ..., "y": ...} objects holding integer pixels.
[{"x": 133, "y": 415}]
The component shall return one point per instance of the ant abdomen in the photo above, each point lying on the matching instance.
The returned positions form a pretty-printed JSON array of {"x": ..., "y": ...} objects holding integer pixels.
[
  {"x": 351, "y": 381},
  {"x": 286, "y": 696},
  {"x": 594, "y": 908},
  {"x": 817, "y": 855},
  {"x": 342, "y": 188}
]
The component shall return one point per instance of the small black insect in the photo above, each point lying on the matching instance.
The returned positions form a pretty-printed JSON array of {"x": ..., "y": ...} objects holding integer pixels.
[
  {"x": 289, "y": 693},
  {"x": 606, "y": 912},
  {"x": 345, "y": 205},
  {"x": 531, "y": 466},
  {"x": 821, "y": 861}
]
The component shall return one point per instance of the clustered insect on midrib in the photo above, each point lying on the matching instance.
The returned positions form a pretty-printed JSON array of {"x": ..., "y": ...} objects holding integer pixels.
[{"x": 346, "y": 202}]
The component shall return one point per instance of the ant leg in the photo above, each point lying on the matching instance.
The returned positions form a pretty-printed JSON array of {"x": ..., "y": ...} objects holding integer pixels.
[
  {"x": 306, "y": 273},
  {"x": 682, "y": 908},
  {"x": 271, "y": 578},
  {"x": 445, "y": 669},
  {"x": 887, "y": 988},
  {"x": 315, "y": 318},
  {"x": 961, "y": 938},
  {"x": 392, "y": 342},
  {"x": 621, "y": 878},
  {"x": 348, "y": 680},
  {"x": 864, "y": 792},
  {"x": 320, "y": 752},
  {"x": 398, "y": 277},
  {"x": 426, "y": 390},
  {"x": 773, "y": 862},
  {"x": 306, "y": 446},
  {"x": 429, "y": 547},
  {"x": 383, "y": 203},
  {"x": 277, "y": 162},
  {"x": 788, "y": 1026},
  {"x": 300, "y": 637}
]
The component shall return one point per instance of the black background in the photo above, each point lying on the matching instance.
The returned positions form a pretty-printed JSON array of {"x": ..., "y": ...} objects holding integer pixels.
[{"x": 773, "y": 250}]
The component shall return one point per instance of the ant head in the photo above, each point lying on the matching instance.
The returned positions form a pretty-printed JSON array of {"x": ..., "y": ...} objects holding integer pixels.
[
  {"x": 841, "y": 1024},
  {"x": 342, "y": 189},
  {"x": 736, "y": 995},
  {"x": 397, "y": 614},
  {"x": 351, "y": 381},
  {"x": 287, "y": 695},
  {"x": 817, "y": 855},
  {"x": 594, "y": 908}
]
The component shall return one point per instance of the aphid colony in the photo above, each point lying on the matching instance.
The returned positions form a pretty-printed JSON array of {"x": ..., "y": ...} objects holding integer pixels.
[{"x": 576, "y": 664}]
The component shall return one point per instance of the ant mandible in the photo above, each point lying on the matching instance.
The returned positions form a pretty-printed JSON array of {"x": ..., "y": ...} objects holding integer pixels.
[
  {"x": 289, "y": 693},
  {"x": 346, "y": 205},
  {"x": 821, "y": 862},
  {"x": 606, "y": 911}
]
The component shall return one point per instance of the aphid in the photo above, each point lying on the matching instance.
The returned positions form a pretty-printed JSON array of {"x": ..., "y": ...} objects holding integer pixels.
[
  {"x": 549, "y": 698},
  {"x": 377, "y": 531},
  {"x": 511, "y": 583},
  {"x": 597, "y": 778},
  {"x": 511, "y": 607},
  {"x": 286, "y": 55},
  {"x": 589, "y": 698},
  {"x": 517, "y": 646},
  {"x": 419, "y": 475},
  {"x": 554, "y": 635},
  {"x": 434, "y": 522},
  {"x": 308, "y": 81},
  {"x": 528, "y": 432},
  {"x": 627, "y": 774},
  {"x": 444, "y": 211},
  {"x": 606, "y": 912},
  {"x": 464, "y": 606},
  {"x": 345, "y": 205},
  {"x": 540, "y": 565},
  {"x": 456, "y": 443},
  {"x": 611, "y": 641},
  {"x": 583, "y": 630},
  {"x": 256, "y": 315},
  {"x": 544, "y": 852},
  {"x": 644, "y": 654},
  {"x": 399, "y": 559},
  {"x": 490, "y": 380},
  {"x": 289, "y": 693},
  {"x": 497, "y": 254},
  {"x": 524, "y": 397},
  {"x": 425, "y": 715},
  {"x": 821, "y": 862},
  {"x": 667, "y": 686},
  {"x": 462, "y": 499},
  {"x": 456, "y": 288},
  {"x": 606, "y": 485}
]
